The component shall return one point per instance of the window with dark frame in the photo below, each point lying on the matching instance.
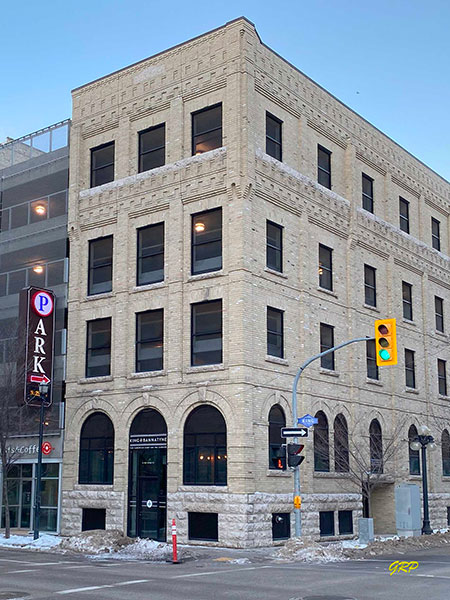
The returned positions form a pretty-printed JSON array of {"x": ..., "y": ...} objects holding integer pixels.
[
  {"x": 98, "y": 348},
  {"x": 273, "y": 136},
  {"x": 149, "y": 340},
  {"x": 404, "y": 214},
  {"x": 445, "y": 449},
  {"x": 325, "y": 267},
  {"x": 370, "y": 289},
  {"x": 376, "y": 447},
  {"x": 407, "y": 301},
  {"x": 275, "y": 343},
  {"x": 281, "y": 526},
  {"x": 345, "y": 520},
  {"x": 326, "y": 523},
  {"x": 203, "y": 526},
  {"x": 435, "y": 233},
  {"x": 100, "y": 265},
  {"x": 442, "y": 377},
  {"x": 150, "y": 254},
  {"x": 327, "y": 342},
  {"x": 439, "y": 313},
  {"x": 274, "y": 246},
  {"x": 96, "y": 463},
  {"x": 206, "y": 241},
  {"x": 207, "y": 129},
  {"x": 277, "y": 452},
  {"x": 371, "y": 360},
  {"x": 102, "y": 164},
  {"x": 324, "y": 167},
  {"x": 152, "y": 147},
  {"x": 321, "y": 443},
  {"x": 414, "y": 462},
  {"x": 206, "y": 331},
  {"x": 367, "y": 193},
  {"x": 341, "y": 448},
  {"x": 410, "y": 370}
]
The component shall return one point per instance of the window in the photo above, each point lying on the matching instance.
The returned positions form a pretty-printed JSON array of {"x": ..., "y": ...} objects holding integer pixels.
[
  {"x": 436, "y": 233},
  {"x": 370, "y": 289},
  {"x": 367, "y": 193},
  {"x": 321, "y": 443},
  {"x": 371, "y": 360},
  {"x": 325, "y": 267},
  {"x": 274, "y": 247},
  {"x": 277, "y": 455},
  {"x": 149, "y": 340},
  {"x": 404, "y": 214},
  {"x": 442, "y": 377},
  {"x": 445, "y": 447},
  {"x": 326, "y": 522},
  {"x": 345, "y": 518},
  {"x": 407, "y": 301},
  {"x": 376, "y": 447},
  {"x": 203, "y": 526},
  {"x": 341, "y": 452},
  {"x": 327, "y": 342},
  {"x": 206, "y": 345},
  {"x": 102, "y": 164},
  {"x": 100, "y": 265},
  {"x": 275, "y": 344},
  {"x": 273, "y": 136},
  {"x": 93, "y": 518},
  {"x": 414, "y": 462},
  {"x": 150, "y": 254},
  {"x": 205, "y": 448},
  {"x": 439, "y": 313},
  {"x": 410, "y": 371},
  {"x": 98, "y": 350},
  {"x": 207, "y": 241},
  {"x": 97, "y": 450},
  {"x": 207, "y": 129},
  {"x": 152, "y": 148},
  {"x": 281, "y": 526},
  {"x": 324, "y": 167}
]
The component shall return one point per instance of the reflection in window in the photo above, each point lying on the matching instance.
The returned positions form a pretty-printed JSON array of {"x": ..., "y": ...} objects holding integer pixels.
[
  {"x": 274, "y": 246},
  {"x": 324, "y": 167},
  {"x": 150, "y": 259},
  {"x": 275, "y": 343},
  {"x": 367, "y": 193},
  {"x": 207, "y": 129},
  {"x": 206, "y": 344},
  {"x": 102, "y": 164},
  {"x": 207, "y": 241},
  {"x": 273, "y": 136},
  {"x": 100, "y": 265},
  {"x": 149, "y": 341},
  {"x": 152, "y": 148},
  {"x": 325, "y": 267},
  {"x": 327, "y": 342},
  {"x": 98, "y": 350},
  {"x": 97, "y": 450}
]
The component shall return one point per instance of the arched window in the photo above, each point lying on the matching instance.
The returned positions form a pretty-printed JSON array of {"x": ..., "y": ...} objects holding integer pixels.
[
  {"x": 414, "y": 462},
  {"x": 341, "y": 454},
  {"x": 321, "y": 443},
  {"x": 376, "y": 447},
  {"x": 205, "y": 448},
  {"x": 445, "y": 440},
  {"x": 97, "y": 450},
  {"x": 277, "y": 420}
]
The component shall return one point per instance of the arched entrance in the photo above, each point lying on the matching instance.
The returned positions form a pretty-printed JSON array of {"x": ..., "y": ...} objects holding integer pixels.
[{"x": 147, "y": 487}]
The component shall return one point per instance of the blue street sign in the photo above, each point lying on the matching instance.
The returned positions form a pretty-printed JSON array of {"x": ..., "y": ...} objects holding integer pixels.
[{"x": 307, "y": 421}]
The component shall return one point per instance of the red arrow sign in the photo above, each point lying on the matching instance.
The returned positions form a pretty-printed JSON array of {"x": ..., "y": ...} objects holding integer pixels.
[{"x": 39, "y": 379}]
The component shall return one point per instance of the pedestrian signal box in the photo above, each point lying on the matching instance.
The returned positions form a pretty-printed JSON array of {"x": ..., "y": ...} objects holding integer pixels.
[{"x": 386, "y": 342}]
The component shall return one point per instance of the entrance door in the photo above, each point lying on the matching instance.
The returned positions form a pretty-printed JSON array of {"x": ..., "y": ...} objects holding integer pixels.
[{"x": 152, "y": 509}]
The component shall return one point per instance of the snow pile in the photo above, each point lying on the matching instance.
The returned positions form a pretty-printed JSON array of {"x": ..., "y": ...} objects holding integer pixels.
[
  {"x": 399, "y": 545},
  {"x": 305, "y": 549},
  {"x": 44, "y": 542}
]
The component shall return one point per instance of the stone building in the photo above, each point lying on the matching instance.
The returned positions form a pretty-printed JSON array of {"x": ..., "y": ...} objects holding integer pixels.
[{"x": 229, "y": 218}]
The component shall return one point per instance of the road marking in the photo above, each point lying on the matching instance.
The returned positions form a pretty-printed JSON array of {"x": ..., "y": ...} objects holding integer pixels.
[
  {"x": 22, "y": 562},
  {"x": 22, "y": 571},
  {"x": 219, "y": 572},
  {"x": 101, "y": 587}
]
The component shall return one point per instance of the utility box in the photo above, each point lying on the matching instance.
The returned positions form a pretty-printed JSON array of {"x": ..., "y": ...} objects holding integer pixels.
[
  {"x": 365, "y": 530},
  {"x": 407, "y": 509}
]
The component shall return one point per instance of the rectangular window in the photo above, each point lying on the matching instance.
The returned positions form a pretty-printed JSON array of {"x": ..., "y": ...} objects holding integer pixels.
[
  {"x": 407, "y": 301},
  {"x": 149, "y": 340},
  {"x": 273, "y": 136},
  {"x": 345, "y": 522},
  {"x": 436, "y": 233},
  {"x": 404, "y": 214},
  {"x": 206, "y": 344},
  {"x": 100, "y": 265},
  {"x": 275, "y": 344},
  {"x": 367, "y": 193},
  {"x": 327, "y": 342},
  {"x": 370, "y": 289},
  {"x": 207, "y": 129},
  {"x": 410, "y": 370},
  {"x": 324, "y": 167},
  {"x": 152, "y": 148},
  {"x": 442, "y": 377},
  {"x": 150, "y": 254},
  {"x": 325, "y": 267},
  {"x": 439, "y": 313},
  {"x": 281, "y": 526},
  {"x": 371, "y": 358},
  {"x": 98, "y": 348},
  {"x": 93, "y": 518},
  {"x": 207, "y": 241},
  {"x": 203, "y": 526},
  {"x": 326, "y": 520},
  {"x": 274, "y": 247},
  {"x": 102, "y": 164}
]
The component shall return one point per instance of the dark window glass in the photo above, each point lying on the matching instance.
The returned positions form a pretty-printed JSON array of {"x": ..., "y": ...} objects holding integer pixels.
[
  {"x": 341, "y": 452},
  {"x": 203, "y": 526},
  {"x": 149, "y": 341},
  {"x": 102, "y": 164},
  {"x": 273, "y": 136},
  {"x": 206, "y": 346},
  {"x": 55, "y": 273},
  {"x": 98, "y": 350},
  {"x": 321, "y": 443},
  {"x": 345, "y": 518},
  {"x": 370, "y": 289},
  {"x": 19, "y": 215},
  {"x": 404, "y": 215},
  {"x": 96, "y": 450},
  {"x": 410, "y": 372},
  {"x": 277, "y": 453},
  {"x": 57, "y": 204},
  {"x": 35, "y": 278},
  {"x": 372, "y": 368},
  {"x": 100, "y": 265},
  {"x": 367, "y": 193},
  {"x": 150, "y": 254},
  {"x": 436, "y": 233},
  {"x": 281, "y": 526},
  {"x": 442, "y": 377},
  {"x": 327, "y": 342},
  {"x": 326, "y": 520},
  {"x": 39, "y": 210},
  {"x": 152, "y": 148},
  {"x": 414, "y": 462},
  {"x": 207, "y": 241},
  {"x": 3, "y": 282},
  {"x": 439, "y": 313},
  {"x": 324, "y": 167},
  {"x": 16, "y": 281},
  {"x": 275, "y": 344},
  {"x": 376, "y": 447},
  {"x": 325, "y": 267},
  {"x": 205, "y": 448},
  {"x": 407, "y": 301},
  {"x": 274, "y": 246},
  {"x": 445, "y": 445},
  {"x": 207, "y": 129},
  {"x": 93, "y": 518}
]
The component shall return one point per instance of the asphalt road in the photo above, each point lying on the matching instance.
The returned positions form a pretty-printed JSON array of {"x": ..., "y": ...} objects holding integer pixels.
[{"x": 45, "y": 576}]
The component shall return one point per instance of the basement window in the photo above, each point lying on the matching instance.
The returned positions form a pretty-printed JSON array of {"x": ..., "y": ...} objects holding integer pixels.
[{"x": 203, "y": 526}]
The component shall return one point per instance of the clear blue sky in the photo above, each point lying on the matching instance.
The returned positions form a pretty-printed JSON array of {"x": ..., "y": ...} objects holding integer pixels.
[{"x": 386, "y": 59}]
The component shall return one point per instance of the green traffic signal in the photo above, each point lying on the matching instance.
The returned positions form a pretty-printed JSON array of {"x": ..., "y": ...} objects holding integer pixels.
[{"x": 384, "y": 355}]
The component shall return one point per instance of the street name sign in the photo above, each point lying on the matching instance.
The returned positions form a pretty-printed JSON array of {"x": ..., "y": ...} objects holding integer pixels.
[
  {"x": 307, "y": 420},
  {"x": 294, "y": 432}
]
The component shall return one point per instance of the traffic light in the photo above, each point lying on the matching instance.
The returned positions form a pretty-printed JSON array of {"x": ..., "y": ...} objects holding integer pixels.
[
  {"x": 293, "y": 454},
  {"x": 279, "y": 458},
  {"x": 385, "y": 342}
]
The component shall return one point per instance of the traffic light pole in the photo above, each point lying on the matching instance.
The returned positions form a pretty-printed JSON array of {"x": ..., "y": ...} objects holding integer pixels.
[
  {"x": 297, "y": 514},
  {"x": 37, "y": 491}
]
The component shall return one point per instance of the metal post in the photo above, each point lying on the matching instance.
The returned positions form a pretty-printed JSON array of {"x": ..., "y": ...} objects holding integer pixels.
[
  {"x": 426, "y": 527},
  {"x": 37, "y": 491}
]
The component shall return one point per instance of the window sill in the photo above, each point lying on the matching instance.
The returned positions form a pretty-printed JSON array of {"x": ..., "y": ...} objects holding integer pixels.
[
  {"x": 99, "y": 487},
  {"x": 444, "y": 397},
  {"x": 203, "y": 488},
  {"x": 276, "y": 360},
  {"x": 445, "y": 478},
  {"x": 99, "y": 296},
  {"x": 409, "y": 322},
  {"x": 329, "y": 372},
  {"x": 148, "y": 286},
  {"x": 278, "y": 473},
  {"x": 325, "y": 291},
  {"x": 415, "y": 477},
  {"x": 377, "y": 382},
  {"x": 143, "y": 374},
  {"x": 441, "y": 334},
  {"x": 205, "y": 368},
  {"x": 409, "y": 390},
  {"x": 201, "y": 276},
  {"x": 276, "y": 273},
  {"x": 372, "y": 308},
  {"x": 331, "y": 475},
  {"x": 101, "y": 379}
]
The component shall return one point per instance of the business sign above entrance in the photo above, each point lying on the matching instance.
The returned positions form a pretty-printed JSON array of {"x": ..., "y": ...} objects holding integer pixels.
[{"x": 153, "y": 440}]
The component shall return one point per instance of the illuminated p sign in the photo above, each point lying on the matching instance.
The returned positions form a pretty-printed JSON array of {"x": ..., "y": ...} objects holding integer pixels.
[{"x": 42, "y": 303}]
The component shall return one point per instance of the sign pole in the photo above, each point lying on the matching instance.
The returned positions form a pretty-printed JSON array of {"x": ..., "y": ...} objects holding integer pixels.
[{"x": 37, "y": 491}]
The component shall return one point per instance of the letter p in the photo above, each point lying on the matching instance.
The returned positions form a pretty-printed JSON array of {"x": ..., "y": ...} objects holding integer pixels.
[{"x": 43, "y": 301}]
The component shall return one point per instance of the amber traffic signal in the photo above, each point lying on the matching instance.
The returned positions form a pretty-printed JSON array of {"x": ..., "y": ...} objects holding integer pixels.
[{"x": 386, "y": 342}]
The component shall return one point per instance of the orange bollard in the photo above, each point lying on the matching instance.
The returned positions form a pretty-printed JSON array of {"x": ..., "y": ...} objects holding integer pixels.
[{"x": 175, "y": 560}]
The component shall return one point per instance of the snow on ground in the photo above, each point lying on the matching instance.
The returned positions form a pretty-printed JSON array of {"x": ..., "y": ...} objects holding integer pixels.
[
  {"x": 44, "y": 542},
  {"x": 307, "y": 550}
]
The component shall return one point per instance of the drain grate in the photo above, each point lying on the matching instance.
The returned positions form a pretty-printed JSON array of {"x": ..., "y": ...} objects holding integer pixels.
[{"x": 12, "y": 595}]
